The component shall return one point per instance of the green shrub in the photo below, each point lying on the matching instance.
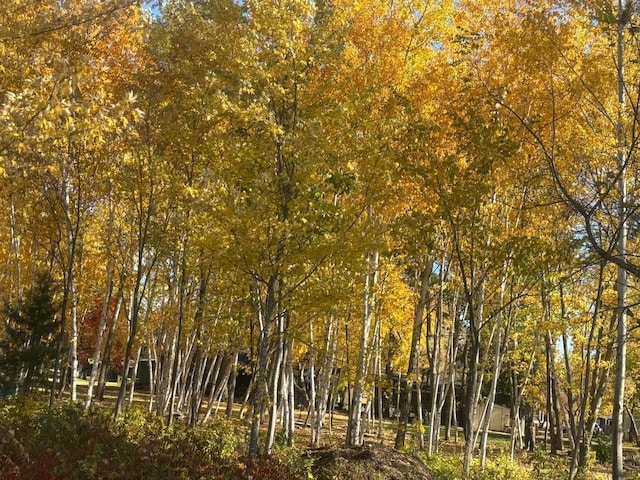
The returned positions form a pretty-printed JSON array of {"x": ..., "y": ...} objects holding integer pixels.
[
  {"x": 603, "y": 448},
  {"x": 444, "y": 468},
  {"x": 549, "y": 467},
  {"x": 183, "y": 451},
  {"x": 70, "y": 444},
  {"x": 298, "y": 465},
  {"x": 67, "y": 444},
  {"x": 501, "y": 468},
  {"x": 277, "y": 467}
]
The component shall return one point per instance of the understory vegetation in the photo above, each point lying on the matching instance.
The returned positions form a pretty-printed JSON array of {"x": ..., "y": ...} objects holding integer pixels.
[{"x": 73, "y": 444}]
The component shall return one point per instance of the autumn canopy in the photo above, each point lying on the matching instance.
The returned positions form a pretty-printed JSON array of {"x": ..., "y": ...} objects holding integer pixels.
[{"x": 350, "y": 204}]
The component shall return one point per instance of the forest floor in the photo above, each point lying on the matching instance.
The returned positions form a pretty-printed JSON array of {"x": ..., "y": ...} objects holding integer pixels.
[{"x": 372, "y": 461}]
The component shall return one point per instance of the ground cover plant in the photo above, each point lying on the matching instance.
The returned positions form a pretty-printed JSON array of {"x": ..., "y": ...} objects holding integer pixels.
[
  {"x": 73, "y": 444},
  {"x": 70, "y": 443}
]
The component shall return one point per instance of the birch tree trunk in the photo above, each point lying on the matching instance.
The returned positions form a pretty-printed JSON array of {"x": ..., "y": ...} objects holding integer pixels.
[
  {"x": 232, "y": 386},
  {"x": 324, "y": 383},
  {"x": 212, "y": 381},
  {"x": 288, "y": 394},
  {"x": 553, "y": 407},
  {"x": 106, "y": 357},
  {"x": 621, "y": 337},
  {"x": 143, "y": 269},
  {"x": 518, "y": 389},
  {"x": 498, "y": 354},
  {"x": 435, "y": 367},
  {"x": 223, "y": 384},
  {"x": 134, "y": 375},
  {"x": 153, "y": 370},
  {"x": 71, "y": 230},
  {"x": 267, "y": 318},
  {"x": 312, "y": 379},
  {"x": 377, "y": 390},
  {"x": 452, "y": 416},
  {"x": 275, "y": 384},
  {"x": 354, "y": 428},
  {"x": 74, "y": 336},
  {"x": 181, "y": 309},
  {"x": 101, "y": 328},
  {"x": 416, "y": 335},
  {"x": 472, "y": 392}
]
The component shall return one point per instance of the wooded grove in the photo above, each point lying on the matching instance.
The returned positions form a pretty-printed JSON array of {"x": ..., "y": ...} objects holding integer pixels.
[{"x": 406, "y": 209}]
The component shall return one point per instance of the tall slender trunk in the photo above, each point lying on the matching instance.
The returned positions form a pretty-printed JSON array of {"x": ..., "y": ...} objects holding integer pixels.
[
  {"x": 181, "y": 309},
  {"x": 324, "y": 382},
  {"x": 498, "y": 354},
  {"x": 101, "y": 328},
  {"x": 472, "y": 392},
  {"x": 74, "y": 337},
  {"x": 200, "y": 360},
  {"x": 106, "y": 357},
  {"x": 212, "y": 381},
  {"x": 136, "y": 305},
  {"x": 354, "y": 428},
  {"x": 589, "y": 380},
  {"x": 553, "y": 398},
  {"x": 232, "y": 385},
  {"x": 15, "y": 250},
  {"x": 452, "y": 416},
  {"x": 247, "y": 395},
  {"x": 65, "y": 289},
  {"x": 267, "y": 317},
  {"x": 197, "y": 377},
  {"x": 377, "y": 392},
  {"x": 416, "y": 335},
  {"x": 518, "y": 388},
  {"x": 291, "y": 417},
  {"x": 223, "y": 385},
  {"x": 312, "y": 378},
  {"x": 435, "y": 362},
  {"x": 152, "y": 355},
  {"x": 284, "y": 395},
  {"x": 134, "y": 375},
  {"x": 275, "y": 390},
  {"x": 624, "y": 7}
]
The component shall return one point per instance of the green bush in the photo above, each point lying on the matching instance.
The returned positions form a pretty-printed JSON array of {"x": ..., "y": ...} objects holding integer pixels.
[
  {"x": 297, "y": 464},
  {"x": 67, "y": 444},
  {"x": 501, "y": 468},
  {"x": 603, "y": 448},
  {"x": 444, "y": 468},
  {"x": 71, "y": 444},
  {"x": 183, "y": 451},
  {"x": 549, "y": 467}
]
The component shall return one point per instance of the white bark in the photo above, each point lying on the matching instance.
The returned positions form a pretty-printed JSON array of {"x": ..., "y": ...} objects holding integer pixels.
[
  {"x": 354, "y": 429},
  {"x": 274, "y": 387},
  {"x": 324, "y": 381},
  {"x": 621, "y": 338},
  {"x": 101, "y": 328}
]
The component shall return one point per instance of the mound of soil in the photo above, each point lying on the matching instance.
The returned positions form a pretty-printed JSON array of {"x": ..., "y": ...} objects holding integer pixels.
[{"x": 369, "y": 462}]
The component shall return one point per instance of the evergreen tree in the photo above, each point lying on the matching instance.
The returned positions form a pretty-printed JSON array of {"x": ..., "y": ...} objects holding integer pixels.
[{"x": 29, "y": 342}]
